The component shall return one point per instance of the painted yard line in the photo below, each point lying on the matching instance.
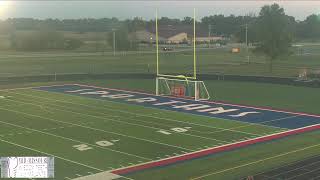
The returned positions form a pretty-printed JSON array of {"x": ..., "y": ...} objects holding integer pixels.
[
  {"x": 62, "y": 158},
  {"x": 269, "y": 109},
  {"x": 143, "y": 115},
  {"x": 74, "y": 140},
  {"x": 294, "y": 169},
  {"x": 110, "y": 119},
  {"x": 105, "y": 113},
  {"x": 310, "y": 171},
  {"x": 96, "y": 129},
  {"x": 286, "y": 164},
  {"x": 12, "y": 89},
  {"x": 213, "y": 150},
  {"x": 168, "y": 109},
  {"x": 222, "y": 103},
  {"x": 255, "y": 162},
  {"x": 106, "y": 175},
  {"x": 211, "y": 102},
  {"x": 31, "y": 87}
]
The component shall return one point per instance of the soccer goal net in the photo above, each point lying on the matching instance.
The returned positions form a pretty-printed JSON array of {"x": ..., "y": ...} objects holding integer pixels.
[{"x": 182, "y": 88}]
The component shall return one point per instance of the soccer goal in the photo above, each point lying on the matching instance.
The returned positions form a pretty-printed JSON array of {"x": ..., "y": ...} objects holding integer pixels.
[{"x": 182, "y": 88}]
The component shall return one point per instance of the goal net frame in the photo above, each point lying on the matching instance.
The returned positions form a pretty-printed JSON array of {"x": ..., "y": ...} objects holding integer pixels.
[{"x": 196, "y": 90}]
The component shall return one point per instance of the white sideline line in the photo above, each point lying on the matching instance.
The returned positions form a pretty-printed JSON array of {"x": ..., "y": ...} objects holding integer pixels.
[
  {"x": 96, "y": 129},
  {"x": 115, "y": 102},
  {"x": 101, "y": 176},
  {"x": 211, "y": 102},
  {"x": 288, "y": 117},
  {"x": 143, "y": 115},
  {"x": 287, "y": 164},
  {"x": 68, "y": 160},
  {"x": 308, "y": 171},
  {"x": 108, "y": 109},
  {"x": 294, "y": 169},
  {"x": 70, "y": 139},
  {"x": 255, "y": 162},
  {"x": 110, "y": 119},
  {"x": 214, "y": 147},
  {"x": 31, "y": 87}
]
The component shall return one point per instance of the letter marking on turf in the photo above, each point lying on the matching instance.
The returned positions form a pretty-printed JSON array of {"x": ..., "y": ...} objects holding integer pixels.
[
  {"x": 217, "y": 110},
  {"x": 141, "y": 100},
  {"x": 244, "y": 114},
  {"x": 79, "y": 90},
  {"x": 167, "y": 103},
  {"x": 118, "y": 96},
  {"x": 95, "y": 92},
  {"x": 192, "y": 106}
]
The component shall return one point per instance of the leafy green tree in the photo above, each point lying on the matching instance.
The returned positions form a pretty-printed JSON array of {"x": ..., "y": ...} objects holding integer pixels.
[
  {"x": 310, "y": 28},
  {"x": 187, "y": 20},
  {"x": 273, "y": 32}
]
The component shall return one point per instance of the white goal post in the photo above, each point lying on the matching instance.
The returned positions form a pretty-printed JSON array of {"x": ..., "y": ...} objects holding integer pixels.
[{"x": 181, "y": 88}]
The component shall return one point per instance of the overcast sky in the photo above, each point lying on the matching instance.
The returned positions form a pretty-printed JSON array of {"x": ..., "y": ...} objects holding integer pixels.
[{"x": 146, "y": 9}]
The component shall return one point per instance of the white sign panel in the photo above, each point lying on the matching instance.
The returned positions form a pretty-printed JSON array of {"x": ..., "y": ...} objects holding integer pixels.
[{"x": 27, "y": 167}]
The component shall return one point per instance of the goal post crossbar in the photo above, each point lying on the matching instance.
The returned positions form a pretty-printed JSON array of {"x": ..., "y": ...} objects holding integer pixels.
[{"x": 176, "y": 76}]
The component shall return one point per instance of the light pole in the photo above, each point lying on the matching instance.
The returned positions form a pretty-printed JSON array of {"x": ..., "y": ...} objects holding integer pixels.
[
  {"x": 248, "y": 57},
  {"x": 114, "y": 41},
  {"x": 209, "y": 26}
]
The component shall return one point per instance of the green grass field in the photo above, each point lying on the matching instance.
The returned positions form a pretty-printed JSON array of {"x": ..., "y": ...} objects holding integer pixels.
[
  {"x": 210, "y": 61},
  {"x": 37, "y": 123},
  {"x": 41, "y": 123}
]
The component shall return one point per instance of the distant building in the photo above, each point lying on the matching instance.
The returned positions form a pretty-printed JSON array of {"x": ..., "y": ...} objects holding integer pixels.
[{"x": 174, "y": 35}]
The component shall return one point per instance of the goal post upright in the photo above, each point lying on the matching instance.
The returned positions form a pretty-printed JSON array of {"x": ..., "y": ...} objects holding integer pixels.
[
  {"x": 194, "y": 45},
  {"x": 194, "y": 74},
  {"x": 157, "y": 42},
  {"x": 169, "y": 84}
]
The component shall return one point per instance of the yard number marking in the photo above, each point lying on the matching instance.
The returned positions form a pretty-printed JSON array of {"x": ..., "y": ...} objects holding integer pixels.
[
  {"x": 174, "y": 130},
  {"x": 85, "y": 147}
]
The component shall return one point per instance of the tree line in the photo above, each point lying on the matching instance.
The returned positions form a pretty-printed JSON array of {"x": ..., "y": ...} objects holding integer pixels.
[
  {"x": 271, "y": 31},
  {"x": 220, "y": 24}
]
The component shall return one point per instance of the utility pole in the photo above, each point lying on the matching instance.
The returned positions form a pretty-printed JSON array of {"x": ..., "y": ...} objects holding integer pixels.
[
  {"x": 209, "y": 35},
  {"x": 114, "y": 41},
  {"x": 248, "y": 57}
]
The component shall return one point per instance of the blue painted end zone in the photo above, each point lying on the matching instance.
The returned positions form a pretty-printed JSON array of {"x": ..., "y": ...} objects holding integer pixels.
[{"x": 211, "y": 109}]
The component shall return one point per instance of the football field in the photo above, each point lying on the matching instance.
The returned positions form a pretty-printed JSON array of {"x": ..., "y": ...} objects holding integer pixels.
[{"x": 118, "y": 134}]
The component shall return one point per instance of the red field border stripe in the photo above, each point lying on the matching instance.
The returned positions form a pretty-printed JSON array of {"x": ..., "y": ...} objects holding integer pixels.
[
  {"x": 211, "y": 102},
  {"x": 214, "y": 150}
]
